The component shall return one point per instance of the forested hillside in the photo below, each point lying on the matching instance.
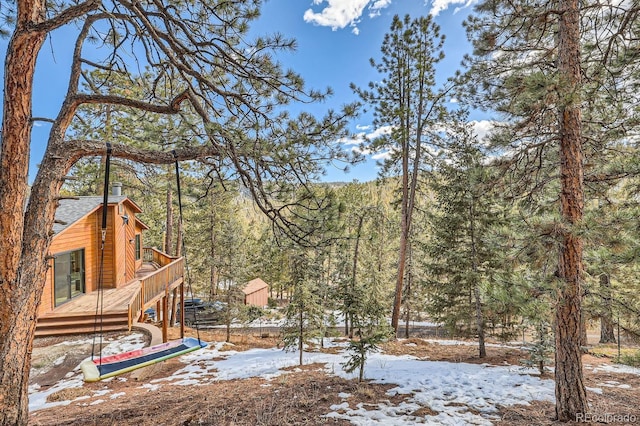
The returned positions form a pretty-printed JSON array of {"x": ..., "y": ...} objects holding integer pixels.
[
  {"x": 474, "y": 246},
  {"x": 528, "y": 228}
]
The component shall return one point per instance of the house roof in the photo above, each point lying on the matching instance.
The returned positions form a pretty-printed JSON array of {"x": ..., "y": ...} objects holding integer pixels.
[
  {"x": 254, "y": 285},
  {"x": 141, "y": 224},
  {"x": 73, "y": 209}
]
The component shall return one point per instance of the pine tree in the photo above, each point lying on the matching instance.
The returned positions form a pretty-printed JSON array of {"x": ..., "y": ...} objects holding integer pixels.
[
  {"x": 238, "y": 100},
  {"x": 304, "y": 314},
  {"x": 545, "y": 66},
  {"x": 462, "y": 261},
  {"x": 406, "y": 103}
]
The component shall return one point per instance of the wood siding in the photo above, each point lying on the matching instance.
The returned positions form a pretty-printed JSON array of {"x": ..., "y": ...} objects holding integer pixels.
[
  {"x": 259, "y": 298},
  {"x": 84, "y": 234},
  {"x": 119, "y": 266},
  {"x": 256, "y": 292},
  {"x": 109, "y": 274},
  {"x": 130, "y": 245},
  {"x": 119, "y": 242}
]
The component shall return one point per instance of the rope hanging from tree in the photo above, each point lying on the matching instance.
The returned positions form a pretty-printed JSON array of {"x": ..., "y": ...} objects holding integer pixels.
[
  {"x": 184, "y": 248},
  {"x": 105, "y": 367},
  {"x": 103, "y": 232}
]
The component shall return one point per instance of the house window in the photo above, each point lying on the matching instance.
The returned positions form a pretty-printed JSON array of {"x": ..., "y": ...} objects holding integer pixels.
[
  {"x": 138, "y": 247},
  {"x": 68, "y": 276}
]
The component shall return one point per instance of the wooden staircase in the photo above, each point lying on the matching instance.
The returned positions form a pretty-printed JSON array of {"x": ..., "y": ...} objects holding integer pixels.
[{"x": 81, "y": 323}]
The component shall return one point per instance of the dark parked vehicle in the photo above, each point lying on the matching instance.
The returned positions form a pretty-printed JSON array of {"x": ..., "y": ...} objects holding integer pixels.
[{"x": 205, "y": 313}]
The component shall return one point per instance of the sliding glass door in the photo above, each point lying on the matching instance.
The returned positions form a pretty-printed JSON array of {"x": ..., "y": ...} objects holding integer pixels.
[{"x": 68, "y": 270}]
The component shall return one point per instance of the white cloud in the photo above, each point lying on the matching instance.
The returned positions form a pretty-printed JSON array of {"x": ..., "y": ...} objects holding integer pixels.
[
  {"x": 438, "y": 6},
  {"x": 482, "y": 128},
  {"x": 377, "y": 6},
  {"x": 381, "y": 131},
  {"x": 385, "y": 155},
  {"x": 357, "y": 140},
  {"x": 339, "y": 14}
]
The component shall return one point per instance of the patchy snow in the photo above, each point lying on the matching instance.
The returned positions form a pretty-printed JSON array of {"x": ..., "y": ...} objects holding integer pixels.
[
  {"x": 458, "y": 393},
  {"x": 614, "y": 368},
  {"x": 73, "y": 379},
  {"x": 127, "y": 343},
  {"x": 445, "y": 342},
  {"x": 38, "y": 399},
  {"x": 150, "y": 387},
  {"x": 614, "y": 384}
]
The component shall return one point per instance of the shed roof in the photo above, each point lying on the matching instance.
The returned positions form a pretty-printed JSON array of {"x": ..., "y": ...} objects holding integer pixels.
[
  {"x": 254, "y": 285},
  {"x": 71, "y": 210}
]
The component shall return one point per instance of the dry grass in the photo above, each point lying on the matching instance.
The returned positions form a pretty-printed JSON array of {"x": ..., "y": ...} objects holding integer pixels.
[
  {"x": 302, "y": 396},
  {"x": 453, "y": 353},
  {"x": 297, "y": 398}
]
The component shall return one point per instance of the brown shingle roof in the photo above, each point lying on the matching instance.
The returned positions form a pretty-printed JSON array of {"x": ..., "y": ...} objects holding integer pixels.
[
  {"x": 73, "y": 209},
  {"x": 254, "y": 285}
]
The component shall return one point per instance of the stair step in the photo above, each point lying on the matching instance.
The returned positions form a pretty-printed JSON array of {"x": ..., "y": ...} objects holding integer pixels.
[
  {"x": 61, "y": 331},
  {"x": 55, "y": 325},
  {"x": 62, "y": 322}
]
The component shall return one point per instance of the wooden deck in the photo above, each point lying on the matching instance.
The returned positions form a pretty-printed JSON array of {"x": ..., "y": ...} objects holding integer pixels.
[
  {"x": 113, "y": 299},
  {"x": 119, "y": 307}
]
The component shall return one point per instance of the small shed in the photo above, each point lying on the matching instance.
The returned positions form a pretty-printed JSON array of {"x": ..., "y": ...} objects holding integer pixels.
[{"x": 256, "y": 293}]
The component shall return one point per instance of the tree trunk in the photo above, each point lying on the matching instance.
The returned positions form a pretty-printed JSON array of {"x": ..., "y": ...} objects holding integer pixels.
[
  {"x": 584, "y": 338},
  {"x": 168, "y": 241},
  {"x": 402, "y": 257},
  {"x": 301, "y": 331},
  {"x": 571, "y": 398},
  {"x": 482, "y": 351},
  {"x": 168, "y": 244},
  {"x": 408, "y": 294},
  {"x": 404, "y": 242},
  {"x": 179, "y": 239},
  {"x": 22, "y": 262},
  {"x": 213, "y": 277},
  {"x": 407, "y": 309},
  {"x": 607, "y": 333},
  {"x": 228, "y": 313},
  {"x": 354, "y": 271},
  {"x": 174, "y": 302}
]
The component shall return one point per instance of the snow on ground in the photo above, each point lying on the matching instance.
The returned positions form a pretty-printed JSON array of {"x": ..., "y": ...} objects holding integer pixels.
[
  {"x": 445, "y": 342},
  {"x": 333, "y": 319},
  {"x": 460, "y": 393},
  {"x": 614, "y": 368},
  {"x": 38, "y": 399}
]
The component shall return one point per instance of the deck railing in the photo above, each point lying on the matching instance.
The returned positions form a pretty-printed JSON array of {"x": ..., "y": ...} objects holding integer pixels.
[
  {"x": 150, "y": 254},
  {"x": 157, "y": 284}
]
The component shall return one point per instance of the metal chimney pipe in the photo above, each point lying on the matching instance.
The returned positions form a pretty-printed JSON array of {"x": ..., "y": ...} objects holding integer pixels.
[{"x": 116, "y": 189}]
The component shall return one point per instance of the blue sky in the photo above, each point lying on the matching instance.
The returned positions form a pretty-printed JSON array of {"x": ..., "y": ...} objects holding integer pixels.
[{"x": 336, "y": 39}]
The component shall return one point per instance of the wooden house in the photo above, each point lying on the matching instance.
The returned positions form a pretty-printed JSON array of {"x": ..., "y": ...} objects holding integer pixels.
[
  {"x": 129, "y": 277},
  {"x": 256, "y": 293}
]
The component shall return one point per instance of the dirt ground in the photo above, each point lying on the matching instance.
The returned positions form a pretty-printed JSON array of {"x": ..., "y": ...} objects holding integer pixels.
[{"x": 298, "y": 398}]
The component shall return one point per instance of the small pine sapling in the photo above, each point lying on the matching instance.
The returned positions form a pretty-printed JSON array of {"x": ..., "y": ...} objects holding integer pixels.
[
  {"x": 541, "y": 348},
  {"x": 371, "y": 328},
  {"x": 359, "y": 349}
]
